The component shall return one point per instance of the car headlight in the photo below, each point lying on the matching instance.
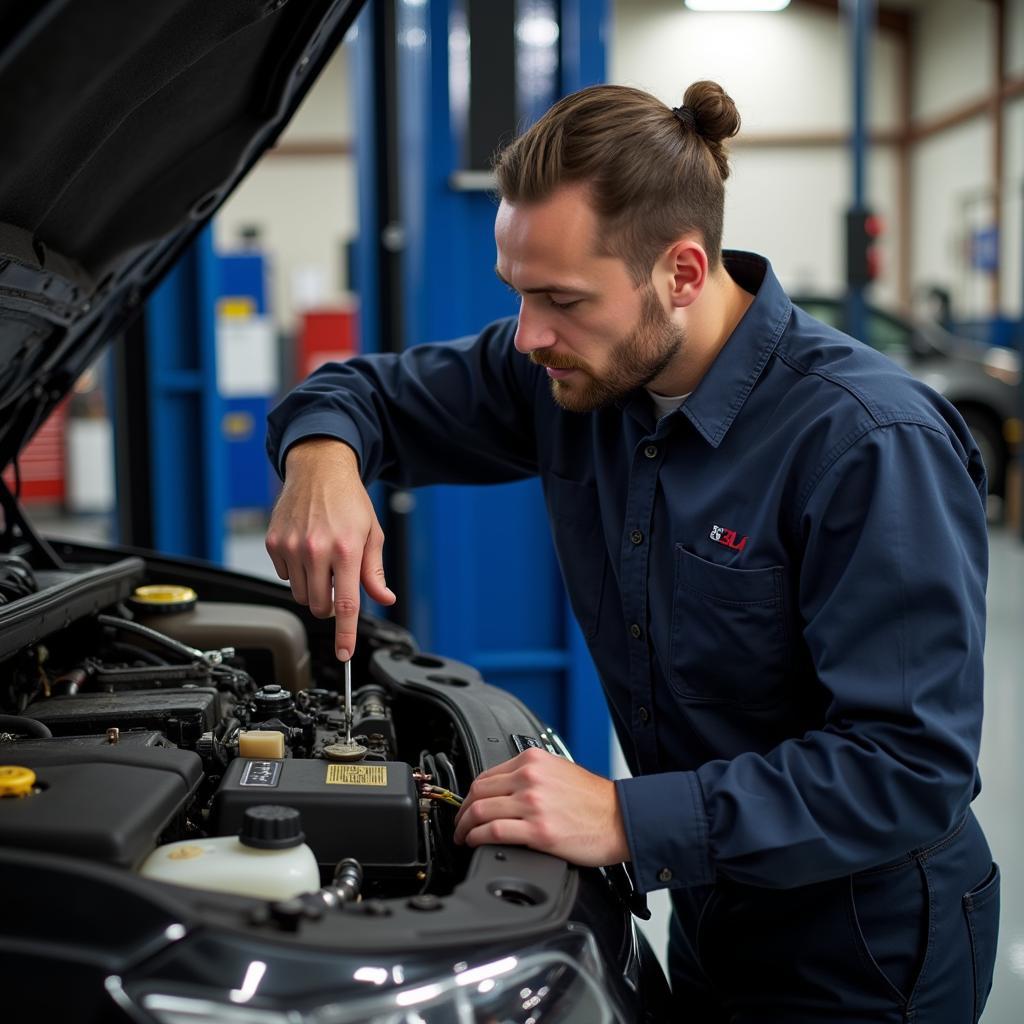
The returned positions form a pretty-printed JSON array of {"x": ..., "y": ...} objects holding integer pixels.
[{"x": 557, "y": 984}]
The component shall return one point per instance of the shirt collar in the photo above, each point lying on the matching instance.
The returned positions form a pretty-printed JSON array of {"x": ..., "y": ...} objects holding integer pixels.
[
  {"x": 721, "y": 393},
  {"x": 719, "y": 397}
]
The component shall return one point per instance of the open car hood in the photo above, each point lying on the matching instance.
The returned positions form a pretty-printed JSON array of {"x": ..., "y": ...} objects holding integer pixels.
[{"x": 123, "y": 128}]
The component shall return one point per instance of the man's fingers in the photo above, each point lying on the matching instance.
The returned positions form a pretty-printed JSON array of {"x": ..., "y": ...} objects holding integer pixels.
[
  {"x": 503, "y": 832},
  {"x": 297, "y": 577},
  {"x": 482, "y": 811},
  {"x": 346, "y": 608},
  {"x": 372, "y": 569},
  {"x": 280, "y": 565},
  {"x": 505, "y": 768},
  {"x": 485, "y": 789},
  {"x": 493, "y": 785},
  {"x": 319, "y": 588}
]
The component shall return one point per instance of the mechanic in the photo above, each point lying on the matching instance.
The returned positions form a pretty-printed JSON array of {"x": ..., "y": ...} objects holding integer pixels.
[{"x": 774, "y": 541}]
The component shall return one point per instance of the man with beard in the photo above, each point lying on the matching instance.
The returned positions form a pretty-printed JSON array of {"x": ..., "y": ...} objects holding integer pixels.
[{"x": 773, "y": 538}]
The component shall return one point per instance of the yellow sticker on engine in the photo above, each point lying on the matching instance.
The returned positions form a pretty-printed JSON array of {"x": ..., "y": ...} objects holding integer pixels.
[{"x": 357, "y": 775}]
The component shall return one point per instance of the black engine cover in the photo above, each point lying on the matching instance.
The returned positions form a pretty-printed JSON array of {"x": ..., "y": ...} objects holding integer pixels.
[
  {"x": 369, "y": 810},
  {"x": 106, "y": 803},
  {"x": 182, "y": 714}
]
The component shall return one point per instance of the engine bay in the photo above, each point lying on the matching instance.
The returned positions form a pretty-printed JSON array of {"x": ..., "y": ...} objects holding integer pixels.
[{"x": 158, "y": 718}]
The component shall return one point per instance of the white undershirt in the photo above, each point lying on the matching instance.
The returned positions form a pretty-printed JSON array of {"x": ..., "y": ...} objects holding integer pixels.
[{"x": 664, "y": 404}]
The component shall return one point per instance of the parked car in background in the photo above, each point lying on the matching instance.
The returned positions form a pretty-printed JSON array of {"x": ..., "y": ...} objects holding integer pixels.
[{"x": 982, "y": 381}]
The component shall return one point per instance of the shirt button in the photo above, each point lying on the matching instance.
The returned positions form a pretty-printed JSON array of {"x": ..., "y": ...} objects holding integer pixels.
[
  {"x": 650, "y": 451},
  {"x": 644, "y": 714},
  {"x": 636, "y": 537},
  {"x": 664, "y": 875},
  {"x": 635, "y": 631}
]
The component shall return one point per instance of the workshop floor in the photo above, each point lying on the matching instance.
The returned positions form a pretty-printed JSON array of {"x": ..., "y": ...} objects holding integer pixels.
[{"x": 999, "y": 807}]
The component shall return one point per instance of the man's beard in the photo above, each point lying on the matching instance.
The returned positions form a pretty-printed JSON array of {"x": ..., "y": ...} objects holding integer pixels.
[{"x": 633, "y": 363}]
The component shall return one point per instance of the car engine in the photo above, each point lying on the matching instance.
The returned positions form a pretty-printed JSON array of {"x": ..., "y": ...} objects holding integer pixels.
[{"x": 161, "y": 718}]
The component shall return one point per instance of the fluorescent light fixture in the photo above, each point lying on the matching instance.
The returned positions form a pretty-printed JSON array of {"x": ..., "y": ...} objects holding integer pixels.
[{"x": 737, "y": 5}]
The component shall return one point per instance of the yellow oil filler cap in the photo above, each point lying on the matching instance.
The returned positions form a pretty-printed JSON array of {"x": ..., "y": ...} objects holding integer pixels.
[
  {"x": 163, "y": 597},
  {"x": 15, "y": 780}
]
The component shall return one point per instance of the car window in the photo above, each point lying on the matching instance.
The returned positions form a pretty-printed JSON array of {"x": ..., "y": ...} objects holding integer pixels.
[
  {"x": 888, "y": 335},
  {"x": 885, "y": 333},
  {"x": 827, "y": 312}
]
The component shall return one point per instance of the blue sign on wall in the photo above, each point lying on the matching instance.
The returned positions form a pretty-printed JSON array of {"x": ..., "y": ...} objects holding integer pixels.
[{"x": 985, "y": 249}]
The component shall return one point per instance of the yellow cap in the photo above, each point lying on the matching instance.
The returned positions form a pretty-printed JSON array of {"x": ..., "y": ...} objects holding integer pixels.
[
  {"x": 165, "y": 597},
  {"x": 15, "y": 780}
]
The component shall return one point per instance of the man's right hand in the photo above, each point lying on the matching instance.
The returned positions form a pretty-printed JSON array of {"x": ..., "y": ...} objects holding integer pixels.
[{"x": 324, "y": 537}]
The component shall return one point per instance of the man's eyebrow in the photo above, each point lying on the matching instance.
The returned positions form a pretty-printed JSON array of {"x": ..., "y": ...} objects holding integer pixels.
[{"x": 557, "y": 289}]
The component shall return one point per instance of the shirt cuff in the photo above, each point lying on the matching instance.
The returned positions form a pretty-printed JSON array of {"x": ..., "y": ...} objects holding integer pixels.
[
  {"x": 334, "y": 424},
  {"x": 667, "y": 830}
]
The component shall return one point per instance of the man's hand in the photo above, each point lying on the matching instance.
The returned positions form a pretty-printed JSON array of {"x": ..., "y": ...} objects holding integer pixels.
[
  {"x": 547, "y": 803},
  {"x": 324, "y": 536}
]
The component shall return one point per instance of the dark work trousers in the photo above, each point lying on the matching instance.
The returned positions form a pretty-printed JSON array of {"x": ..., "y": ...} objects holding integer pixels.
[{"x": 913, "y": 941}]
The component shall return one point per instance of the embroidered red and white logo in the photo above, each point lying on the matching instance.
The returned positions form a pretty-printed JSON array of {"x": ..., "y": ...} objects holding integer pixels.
[{"x": 728, "y": 538}]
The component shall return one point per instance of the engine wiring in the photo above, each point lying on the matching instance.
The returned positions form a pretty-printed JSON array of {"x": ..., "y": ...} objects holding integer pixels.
[
  {"x": 211, "y": 664},
  {"x": 445, "y": 795}
]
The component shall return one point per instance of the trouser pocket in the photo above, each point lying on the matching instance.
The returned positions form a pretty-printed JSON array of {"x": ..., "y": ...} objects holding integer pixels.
[
  {"x": 890, "y": 912},
  {"x": 981, "y": 908}
]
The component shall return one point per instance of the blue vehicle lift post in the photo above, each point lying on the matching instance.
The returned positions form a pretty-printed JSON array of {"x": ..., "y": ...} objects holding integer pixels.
[
  {"x": 188, "y": 459},
  {"x": 485, "y": 586}
]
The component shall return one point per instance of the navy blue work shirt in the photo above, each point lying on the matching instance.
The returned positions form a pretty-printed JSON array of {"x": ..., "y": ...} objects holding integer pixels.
[{"x": 782, "y": 583}]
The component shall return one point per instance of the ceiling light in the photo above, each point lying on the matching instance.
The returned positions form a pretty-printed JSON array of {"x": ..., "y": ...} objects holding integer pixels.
[{"x": 737, "y": 5}]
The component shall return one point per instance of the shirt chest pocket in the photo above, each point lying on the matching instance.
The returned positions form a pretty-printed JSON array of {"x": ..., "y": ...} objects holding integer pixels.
[
  {"x": 729, "y": 640},
  {"x": 579, "y": 543}
]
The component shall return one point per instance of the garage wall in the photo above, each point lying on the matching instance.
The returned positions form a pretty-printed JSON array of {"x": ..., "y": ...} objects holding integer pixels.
[
  {"x": 782, "y": 71},
  {"x": 801, "y": 227},
  {"x": 952, "y": 171},
  {"x": 953, "y": 39},
  {"x": 1015, "y": 36},
  {"x": 1013, "y": 182},
  {"x": 951, "y": 174},
  {"x": 1012, "y": 248},
  {"x": 305, "y": 206}
]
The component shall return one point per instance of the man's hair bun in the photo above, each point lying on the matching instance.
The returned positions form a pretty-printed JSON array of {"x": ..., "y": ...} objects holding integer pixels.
[{"x": 716, "y": 118}]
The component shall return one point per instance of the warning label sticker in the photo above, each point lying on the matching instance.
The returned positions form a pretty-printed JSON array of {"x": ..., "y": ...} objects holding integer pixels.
[
  {"x": 357, "y": 775},
  {"x": 260, "y": 773}
]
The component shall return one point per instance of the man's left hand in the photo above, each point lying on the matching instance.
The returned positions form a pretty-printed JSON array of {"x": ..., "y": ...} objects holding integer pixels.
[{"x": 549, "y": 804}]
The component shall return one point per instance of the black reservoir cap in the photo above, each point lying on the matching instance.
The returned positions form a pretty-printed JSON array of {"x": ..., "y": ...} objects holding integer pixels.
[
  {"x": 271, "y": 827},
  {"x": 272, "y": 699}
]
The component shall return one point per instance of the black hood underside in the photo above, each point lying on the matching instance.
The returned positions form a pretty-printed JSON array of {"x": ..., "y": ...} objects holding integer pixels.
[{"x": 123, "y": 127}]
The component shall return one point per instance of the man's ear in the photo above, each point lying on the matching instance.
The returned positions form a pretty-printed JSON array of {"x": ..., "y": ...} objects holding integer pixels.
[{"x": 683, "y": 269}]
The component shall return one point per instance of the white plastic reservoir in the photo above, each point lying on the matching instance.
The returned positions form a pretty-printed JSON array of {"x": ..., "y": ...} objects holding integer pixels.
[{"x": 268, "y": 860}]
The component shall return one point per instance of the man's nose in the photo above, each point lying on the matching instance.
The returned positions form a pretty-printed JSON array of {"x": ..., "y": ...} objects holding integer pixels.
[{"x": 533, "y": 331}]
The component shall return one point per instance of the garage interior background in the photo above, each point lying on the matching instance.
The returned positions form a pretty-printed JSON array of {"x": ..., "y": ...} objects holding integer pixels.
[{"x": 347, "y": 238}]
